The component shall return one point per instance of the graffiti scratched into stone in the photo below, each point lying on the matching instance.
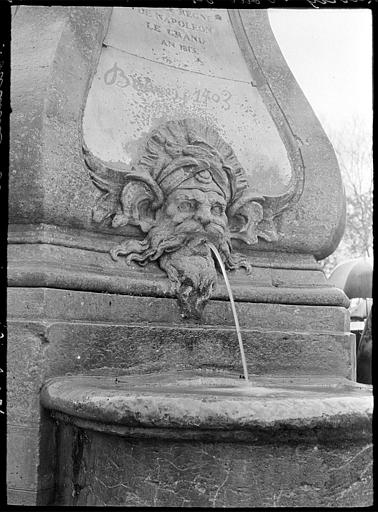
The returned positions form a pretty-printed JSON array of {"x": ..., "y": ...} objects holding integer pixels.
[{"x": 118, "y": 77}]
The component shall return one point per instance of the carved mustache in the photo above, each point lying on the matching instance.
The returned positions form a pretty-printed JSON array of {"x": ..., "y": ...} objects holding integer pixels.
[
  {"x": 190, "y": 233},
  {"x": 192, "y": 226},
  {"x": 168, "y": 238}
]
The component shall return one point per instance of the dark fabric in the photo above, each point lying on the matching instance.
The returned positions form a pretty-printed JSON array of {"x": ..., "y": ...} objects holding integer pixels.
[{"x": 364, "y": 354}]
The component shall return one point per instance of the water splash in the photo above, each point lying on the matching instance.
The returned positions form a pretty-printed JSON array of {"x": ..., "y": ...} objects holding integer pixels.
[{"x": 236, "y": 320}]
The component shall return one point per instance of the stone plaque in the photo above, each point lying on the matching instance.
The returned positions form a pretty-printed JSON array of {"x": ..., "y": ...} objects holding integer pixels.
[{"x": 159, "y": 65}]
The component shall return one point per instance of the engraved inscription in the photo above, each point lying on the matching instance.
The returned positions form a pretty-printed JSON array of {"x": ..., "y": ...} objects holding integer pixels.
[
  {"x": 160, "y": 64},
  {"x": 178, "y": 28},
  {"x": 183, "y": 38}
]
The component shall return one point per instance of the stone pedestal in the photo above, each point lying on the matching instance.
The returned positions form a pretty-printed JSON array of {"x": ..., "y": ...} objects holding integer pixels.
[{"x": 73, "y": 309}]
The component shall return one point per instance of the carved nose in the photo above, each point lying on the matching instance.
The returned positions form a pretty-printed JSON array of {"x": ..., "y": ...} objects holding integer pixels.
[{"x": 203, "y": 215}]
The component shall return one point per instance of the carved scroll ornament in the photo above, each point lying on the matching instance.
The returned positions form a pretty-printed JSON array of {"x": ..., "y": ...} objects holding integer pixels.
[{"x": 186, "y": 190}]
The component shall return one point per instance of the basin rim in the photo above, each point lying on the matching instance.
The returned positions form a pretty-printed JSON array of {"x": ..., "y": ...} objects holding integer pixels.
[{"x": 148, "y": 402}]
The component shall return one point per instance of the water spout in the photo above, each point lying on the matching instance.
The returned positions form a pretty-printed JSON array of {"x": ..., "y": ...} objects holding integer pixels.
[{"x": 236, "y": 320}]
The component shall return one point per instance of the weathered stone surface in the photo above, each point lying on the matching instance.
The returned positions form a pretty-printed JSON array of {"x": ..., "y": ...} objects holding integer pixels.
[
  {"x": 212, "y": 400},
  {"x": 29, "y": 444},
  {"x": 30, "y": 438},
  {"x": 65, "y": 236},
  {"x": 23, "y": 444},
  {"x": 49, "y": 85},
  {"x": 121, "y": 472},
  {"x": 52, "y": 332},
  {"x": 59, "y": 331},
  {"x": 54, "y": 51},
  {"x": 25, "y": 364},
  {"x": 185, "y": 75},
  {"x": 287, "y": 443},
  {"x": 206, "y": 31},
  {"x": 58, "y": 266},
  {"x": 320, "y": 211},
  {"x": 20, "y": 497},
  {"x": 24, "y": 380},
  {"x": 31, "y": 460},
  {"x": 55, "y": 244},
  {"x": 72, "y": 306},
  {"x": 78, "y": 347},
  {"x": 83, "y": 346}
]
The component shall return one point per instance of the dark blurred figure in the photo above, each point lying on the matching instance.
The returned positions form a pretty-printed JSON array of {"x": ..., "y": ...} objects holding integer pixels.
[{"x": 364, "y": 353}]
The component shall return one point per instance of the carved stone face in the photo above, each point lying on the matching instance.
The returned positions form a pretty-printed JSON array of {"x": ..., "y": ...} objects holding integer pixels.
[
  {"x": 198, "y": 212},
  {"x": 193, "y": 214},
  {"x": 186, "y": 190}
]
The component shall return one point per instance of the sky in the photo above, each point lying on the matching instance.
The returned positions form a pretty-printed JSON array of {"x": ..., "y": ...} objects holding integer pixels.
[
  {"x": 329, "y": 51},
  {"x": 330, "y": 54}
]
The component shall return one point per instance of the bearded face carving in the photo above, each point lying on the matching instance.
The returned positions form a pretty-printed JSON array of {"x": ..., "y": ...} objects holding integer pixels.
[{"x": 187, "y": 189}]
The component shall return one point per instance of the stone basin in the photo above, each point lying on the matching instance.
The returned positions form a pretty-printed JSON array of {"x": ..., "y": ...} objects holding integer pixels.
[
  {"x": 208, "y": 439},
  {"x": 210, "y": 400}
]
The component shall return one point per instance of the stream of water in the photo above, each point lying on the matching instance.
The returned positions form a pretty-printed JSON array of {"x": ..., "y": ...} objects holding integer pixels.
[{"x": 236, "y": 320}]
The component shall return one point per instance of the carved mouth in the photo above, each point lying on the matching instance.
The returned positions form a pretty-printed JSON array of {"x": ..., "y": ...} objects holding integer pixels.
[
  {"x": 199, "y": 241},
  {"x": 199, "y": 246}
]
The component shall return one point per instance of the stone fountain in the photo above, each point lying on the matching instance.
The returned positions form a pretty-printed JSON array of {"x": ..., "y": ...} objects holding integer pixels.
[{"x": 146, "y": 137}]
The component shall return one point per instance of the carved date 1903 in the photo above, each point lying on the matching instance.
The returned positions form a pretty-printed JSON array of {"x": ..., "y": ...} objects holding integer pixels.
[{"x": 116, "y": 76}]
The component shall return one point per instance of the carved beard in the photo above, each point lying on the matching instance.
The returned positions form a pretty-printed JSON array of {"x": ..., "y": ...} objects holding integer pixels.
[{"x": 182, "y": 251}]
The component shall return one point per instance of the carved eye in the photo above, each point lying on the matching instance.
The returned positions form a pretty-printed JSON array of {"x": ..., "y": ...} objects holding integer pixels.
[
  {"x": 217, "y": 209},
  {"x": 186, "y": 206}
]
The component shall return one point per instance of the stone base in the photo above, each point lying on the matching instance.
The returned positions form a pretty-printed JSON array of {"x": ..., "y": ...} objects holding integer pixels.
[
  {"x": 53, "y": 332},
  {"x": 187, "y": 439},
  {"x": 71, "y": 309},
  {"x": 81, "y": 331}
]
